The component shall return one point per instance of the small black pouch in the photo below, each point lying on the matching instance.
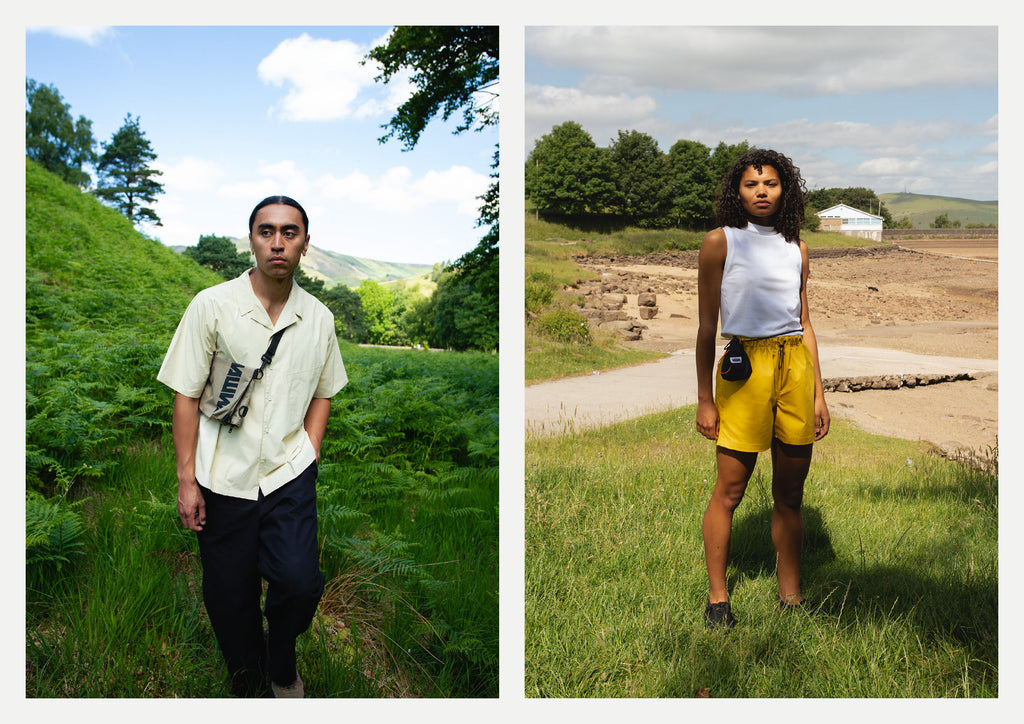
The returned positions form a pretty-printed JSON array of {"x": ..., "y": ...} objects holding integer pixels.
[{"x": 735, "y": 363}]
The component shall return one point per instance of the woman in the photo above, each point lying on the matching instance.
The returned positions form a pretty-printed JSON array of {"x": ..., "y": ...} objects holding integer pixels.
[{"x": 753, "y": 272}]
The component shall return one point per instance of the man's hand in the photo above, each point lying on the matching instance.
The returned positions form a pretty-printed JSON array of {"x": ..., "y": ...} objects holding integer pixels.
[{"x": 191, "y": 506}]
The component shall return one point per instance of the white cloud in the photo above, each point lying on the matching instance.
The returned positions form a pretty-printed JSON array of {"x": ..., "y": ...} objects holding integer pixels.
[
  {"x": 397, "y": 192},
  {"x": 547, "y": 106},
  {"x": 88, "y": 34},
  {"x": 190, "y": 174},
  {"x": 459, "y": 184},
  {"x": 324, "y": 79},
  {"x": 784, "y": 60},
  {"x": 889, "y": 166}
]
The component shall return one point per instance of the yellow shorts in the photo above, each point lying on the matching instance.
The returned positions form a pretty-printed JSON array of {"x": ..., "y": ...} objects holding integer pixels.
[{"x": 776, "y": 401}]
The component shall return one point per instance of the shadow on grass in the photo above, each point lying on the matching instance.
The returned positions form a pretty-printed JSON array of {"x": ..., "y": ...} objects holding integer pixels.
[
  {"x": 942, "y": 612},
  {"x": 856, "y": 590}
]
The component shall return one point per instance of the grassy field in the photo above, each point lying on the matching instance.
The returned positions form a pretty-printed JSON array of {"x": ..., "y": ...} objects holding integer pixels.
[{"x": 900, "y": 552}]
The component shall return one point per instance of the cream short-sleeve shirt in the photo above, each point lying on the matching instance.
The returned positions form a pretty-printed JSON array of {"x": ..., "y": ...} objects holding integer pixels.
[{"x": 271, "y": 447}]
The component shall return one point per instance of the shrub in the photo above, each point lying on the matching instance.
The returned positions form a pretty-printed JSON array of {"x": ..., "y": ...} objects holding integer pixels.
[
  {"x": 540, "y": 290},
  {"x": 564, "y": 325}
]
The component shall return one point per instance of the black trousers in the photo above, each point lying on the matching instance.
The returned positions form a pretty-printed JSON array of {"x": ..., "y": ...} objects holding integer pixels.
[{"x": 244, "y": 541}]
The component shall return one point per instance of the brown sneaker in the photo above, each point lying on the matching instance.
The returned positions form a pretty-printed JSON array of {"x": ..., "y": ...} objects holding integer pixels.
[{"x": 295, "y": 690}]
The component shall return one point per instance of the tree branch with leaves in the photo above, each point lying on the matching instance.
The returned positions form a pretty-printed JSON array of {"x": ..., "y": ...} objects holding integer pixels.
[{"x": 454, "y": 69}]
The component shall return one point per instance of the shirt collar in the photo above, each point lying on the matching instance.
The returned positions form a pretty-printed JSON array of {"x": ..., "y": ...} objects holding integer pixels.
[{"x": 250, "y": 305}]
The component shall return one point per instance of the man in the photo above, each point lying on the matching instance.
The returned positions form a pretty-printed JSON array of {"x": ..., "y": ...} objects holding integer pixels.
[{"x": 250, "y": 492}]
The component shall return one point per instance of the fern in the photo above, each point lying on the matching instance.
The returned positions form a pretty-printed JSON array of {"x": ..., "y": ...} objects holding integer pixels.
[{"x": 53, "y": 532}]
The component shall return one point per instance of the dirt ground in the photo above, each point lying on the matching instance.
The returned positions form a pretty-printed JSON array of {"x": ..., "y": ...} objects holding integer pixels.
[{"x": 937, "y": 297}]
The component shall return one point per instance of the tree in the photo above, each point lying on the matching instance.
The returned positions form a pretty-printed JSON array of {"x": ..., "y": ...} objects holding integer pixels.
[
  {"x": 567, "y": 174},
  {"x": 220, "y": 254},
  {"x": 454, "y": 68},
  {"x": 347, "y": 307},
  {"x": 126, "y": 180},
  {"x": 463, "y": 318},
  {"x": 53, "y": 139},
  {"x": 722, "y": 159},
  {"x": 311, "y": 285},
  {"x": 641, "y": 179},
  {"x": 692, "y": 185},
  {"x": 379, "y": 311}
]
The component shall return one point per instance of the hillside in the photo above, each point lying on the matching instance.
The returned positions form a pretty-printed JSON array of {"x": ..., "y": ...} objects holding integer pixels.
[
  {"x": 922, "y": 209},
  {"x": 84, "y": 261},
  {"x": 335, "y": 268},
  {"x": 101, "y": 304}
]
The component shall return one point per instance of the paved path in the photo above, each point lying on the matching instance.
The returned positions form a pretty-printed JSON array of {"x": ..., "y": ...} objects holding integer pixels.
[{"x": 579, "y": 402}]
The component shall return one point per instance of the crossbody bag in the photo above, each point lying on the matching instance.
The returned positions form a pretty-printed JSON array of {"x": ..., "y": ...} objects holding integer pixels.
[{"x": 229, "y": 387}]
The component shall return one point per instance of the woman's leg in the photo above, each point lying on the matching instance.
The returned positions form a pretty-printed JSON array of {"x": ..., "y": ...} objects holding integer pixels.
[
  {"x": 790, "y": 464},
  {"x": 734, "y": 470}
]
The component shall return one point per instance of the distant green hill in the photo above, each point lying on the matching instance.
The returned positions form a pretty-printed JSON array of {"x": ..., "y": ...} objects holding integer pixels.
[
  {"x": 922, "y": 209},
  {"x": 335, "y": 268}
]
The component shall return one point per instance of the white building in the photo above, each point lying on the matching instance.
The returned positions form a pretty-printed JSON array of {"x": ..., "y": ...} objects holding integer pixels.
[{"x": 852, "y": 222}]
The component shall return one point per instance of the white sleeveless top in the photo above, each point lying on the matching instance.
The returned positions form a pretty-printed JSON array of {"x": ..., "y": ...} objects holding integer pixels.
[{"x": 760, "y": 283}]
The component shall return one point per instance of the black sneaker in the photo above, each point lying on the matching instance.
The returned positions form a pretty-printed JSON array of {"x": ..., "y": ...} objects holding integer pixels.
[{"x": 719, "y": 615}]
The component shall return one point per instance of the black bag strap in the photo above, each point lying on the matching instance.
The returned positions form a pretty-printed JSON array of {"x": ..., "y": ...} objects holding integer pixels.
[{"x": 268, "y": 356}]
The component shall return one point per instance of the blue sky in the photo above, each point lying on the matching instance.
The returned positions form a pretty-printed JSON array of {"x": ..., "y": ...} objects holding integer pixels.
[
  {"x": 239, "y": 113},
  {"x": 889, "y": 108}
]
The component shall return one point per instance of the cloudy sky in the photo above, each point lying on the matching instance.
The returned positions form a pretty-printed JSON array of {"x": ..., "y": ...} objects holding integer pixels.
[
  {"x": 888, "y": 108},
  {"x": 239, "y": 113}
]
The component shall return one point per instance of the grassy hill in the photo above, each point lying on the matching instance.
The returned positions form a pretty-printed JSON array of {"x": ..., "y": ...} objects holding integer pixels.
[
  {"x": 84, "y": 260},
  {"x": 101, "y": 304},
  {"x": 922, "y": 209},
  {"x": 335, "y": 268}
]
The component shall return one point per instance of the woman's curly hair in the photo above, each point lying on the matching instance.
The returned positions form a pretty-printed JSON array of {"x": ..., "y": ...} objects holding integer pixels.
[{"x": 729, "y": 211}]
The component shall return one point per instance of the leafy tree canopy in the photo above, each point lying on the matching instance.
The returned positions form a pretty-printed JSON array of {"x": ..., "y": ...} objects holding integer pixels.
[
  {"x": 347, "y": 307},
  {"x": 220, "y": 254},
  {"x": 567, "y": 174},
  {"x": 453, "y": 69},
  {"x": 641, "y": 178},
  {"x": 692, "y": 183},
  {"x": 58, "y": 143},
  {"x": 126, "y": 179}
]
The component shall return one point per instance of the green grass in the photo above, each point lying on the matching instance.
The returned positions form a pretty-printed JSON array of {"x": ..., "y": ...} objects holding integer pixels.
[
  {"x": 900, "y": 550},
  {"x": 548, "y": 359},
  {"x": 408, "y": 518}
]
